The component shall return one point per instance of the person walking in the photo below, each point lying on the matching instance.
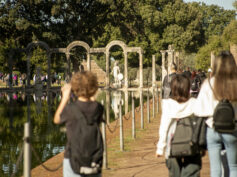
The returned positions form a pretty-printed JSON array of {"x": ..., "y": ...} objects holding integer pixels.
[
  {"x": 166, "y": 90},
  {"x": 84, "y": 86},
  {"x": 178, "y": 106},
  {"x": 224, "y": 83}
]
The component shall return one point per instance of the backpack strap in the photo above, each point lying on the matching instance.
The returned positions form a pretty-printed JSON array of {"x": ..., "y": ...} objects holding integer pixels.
[{"x": 211, "y": 87}]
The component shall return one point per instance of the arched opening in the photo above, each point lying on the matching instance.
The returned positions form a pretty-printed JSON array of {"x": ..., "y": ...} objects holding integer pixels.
[{"x": 116, "y": 62}]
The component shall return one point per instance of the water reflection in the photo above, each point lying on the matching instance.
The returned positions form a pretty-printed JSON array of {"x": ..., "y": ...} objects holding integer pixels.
[
  {"x": 38, "y": 107},
  {"x": 116, "y": 99}
]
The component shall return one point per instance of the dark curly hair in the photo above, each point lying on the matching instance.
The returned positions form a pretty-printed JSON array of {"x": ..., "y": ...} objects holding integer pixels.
[{"x": 84, "y": 84}]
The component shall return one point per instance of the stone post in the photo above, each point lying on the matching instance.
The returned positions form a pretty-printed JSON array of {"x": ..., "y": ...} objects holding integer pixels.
[
  {"x": 141, "y": 67},
  {"x": 164, "y": 72},
  {"x": 170, "y": 58},
  {"x": 88, "y": 62},
  {"x": 107, "y": 81},
  {"x": 126, "y": 100},
  {"x": 107, "y": 106}
]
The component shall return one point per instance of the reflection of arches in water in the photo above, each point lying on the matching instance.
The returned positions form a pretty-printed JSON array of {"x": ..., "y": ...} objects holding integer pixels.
[{"x": 117, "y": 97}]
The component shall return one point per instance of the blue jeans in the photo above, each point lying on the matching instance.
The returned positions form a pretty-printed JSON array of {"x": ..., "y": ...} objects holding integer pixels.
[
  {"x": 68, "y": 172},
  {"x": 214, "y": 146}
]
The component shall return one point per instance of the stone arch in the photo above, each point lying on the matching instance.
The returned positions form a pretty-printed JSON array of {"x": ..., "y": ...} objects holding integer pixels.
[
  {"x": 29, "y": 55},
  {"x": 81, "y": 44},
  {"x": 116, "y": 42},
  {"x": 107, "y": 53},
  {"x": 37, "y": 43},
  {"x": 78, "y": 43}
]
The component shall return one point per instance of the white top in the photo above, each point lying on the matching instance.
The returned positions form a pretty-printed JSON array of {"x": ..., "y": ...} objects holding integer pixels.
[
  {"x": 206, "y": 103},
  {"x": 171, "y": 110}
]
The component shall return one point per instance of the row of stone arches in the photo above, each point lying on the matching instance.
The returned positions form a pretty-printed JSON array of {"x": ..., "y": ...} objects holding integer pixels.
[{"x": 89, "y": 51}]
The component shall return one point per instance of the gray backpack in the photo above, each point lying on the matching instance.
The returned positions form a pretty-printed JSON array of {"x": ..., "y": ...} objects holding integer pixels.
[{"x": 189, "y": 138}]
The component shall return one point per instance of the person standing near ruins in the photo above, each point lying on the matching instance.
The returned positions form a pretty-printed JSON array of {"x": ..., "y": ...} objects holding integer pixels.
[{"x": 166, "y": 90}]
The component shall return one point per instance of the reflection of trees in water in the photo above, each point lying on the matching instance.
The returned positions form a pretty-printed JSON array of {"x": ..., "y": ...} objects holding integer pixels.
[{"x": 46, "y": 137}]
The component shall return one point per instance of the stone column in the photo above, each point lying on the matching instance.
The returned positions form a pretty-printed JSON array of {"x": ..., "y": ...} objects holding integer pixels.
[
  {"x": 164, "y": 72},
  {"x": 107, "y": 81},
  {"x": 125, "y": 69},
  {"x": 126, "y": 101},
  {"x": 10, "y": 64},
  {"x": 49, "y": 70},
  {"x": 153, "y": 71},
  {"x": 88, "y": 61},
  {"x": 177, "y": 60},
  {"x": 29, "y": 55},
  {"x": 67, "y": 78},
  {"x": 141, "y": 67},
  {"x": 170, "y": 58},
  {"x": 107, "y": 103}
]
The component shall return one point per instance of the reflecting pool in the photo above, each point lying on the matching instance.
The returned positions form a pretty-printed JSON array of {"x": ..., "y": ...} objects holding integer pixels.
[{"x": 47, "y": 139}]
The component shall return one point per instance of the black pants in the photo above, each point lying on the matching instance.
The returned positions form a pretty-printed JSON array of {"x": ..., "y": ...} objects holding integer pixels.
[{"x": 185, "y": 166}]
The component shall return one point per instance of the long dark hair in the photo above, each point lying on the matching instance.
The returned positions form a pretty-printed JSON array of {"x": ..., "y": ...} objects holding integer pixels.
[{"x": 225, "y": 74}]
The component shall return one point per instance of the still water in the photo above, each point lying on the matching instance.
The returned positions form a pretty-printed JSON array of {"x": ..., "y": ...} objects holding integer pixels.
[{"x": 47, "y": 139}]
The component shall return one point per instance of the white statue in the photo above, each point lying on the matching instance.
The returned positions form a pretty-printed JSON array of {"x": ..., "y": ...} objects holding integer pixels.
[{"x": 117, "y": 75}]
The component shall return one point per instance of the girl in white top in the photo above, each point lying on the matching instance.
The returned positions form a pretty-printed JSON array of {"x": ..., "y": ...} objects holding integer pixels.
[
  {"x": 180, "y": 105},
  {"x": 224, "y": 84}
]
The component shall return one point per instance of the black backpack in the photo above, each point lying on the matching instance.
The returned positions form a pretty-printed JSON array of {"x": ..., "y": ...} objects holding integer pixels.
[
  {"x": 223, "y": 116},
  {"x": 189, "y": 138},
  {"x": 86, "y": 146}
]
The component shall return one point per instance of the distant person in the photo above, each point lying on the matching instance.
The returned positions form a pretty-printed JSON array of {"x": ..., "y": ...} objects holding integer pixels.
[
  {"x": 166, "y": 90},
  {"x": 224, "y": 83},
  {"x": 201, "y": 76},
  {"x": 188, "y": 73},
  {"x": 178, "y": 106},
  {"x": 82, "y": 118}
]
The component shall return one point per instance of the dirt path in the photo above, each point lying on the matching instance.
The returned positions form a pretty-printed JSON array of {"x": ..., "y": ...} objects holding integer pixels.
[{"x": 141, "y": 160}]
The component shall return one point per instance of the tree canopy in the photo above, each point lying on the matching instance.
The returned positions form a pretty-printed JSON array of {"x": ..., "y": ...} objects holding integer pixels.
[{"x": 152, "y": 25}]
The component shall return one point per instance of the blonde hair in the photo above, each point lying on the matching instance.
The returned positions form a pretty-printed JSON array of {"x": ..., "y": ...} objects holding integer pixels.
[
  {"x": 84, "y": 84},
  {"x": 225, "y": 74}
]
